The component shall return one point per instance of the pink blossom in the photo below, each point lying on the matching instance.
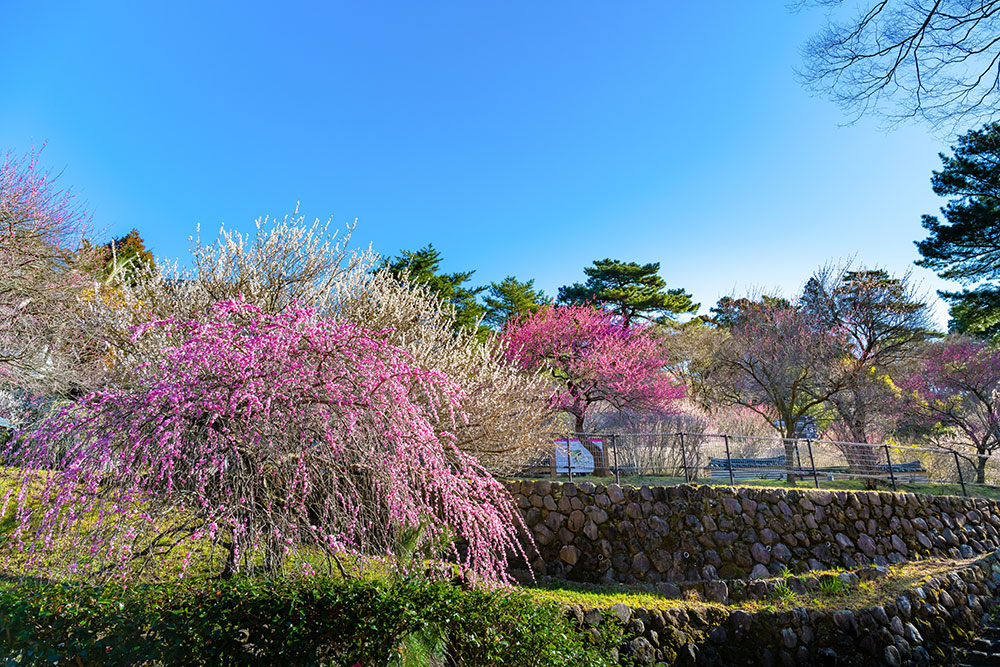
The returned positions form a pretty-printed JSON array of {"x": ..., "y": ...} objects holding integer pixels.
[
  {"x": 593, "y": 359},
  {"x": 259, "y": 431}
]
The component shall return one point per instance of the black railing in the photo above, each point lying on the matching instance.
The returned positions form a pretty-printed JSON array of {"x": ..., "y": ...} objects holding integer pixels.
[{"x": 691, "y": 457}]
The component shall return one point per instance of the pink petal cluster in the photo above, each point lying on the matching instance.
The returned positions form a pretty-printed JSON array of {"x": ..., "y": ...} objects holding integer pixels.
[
  {"x": 959, "y": 385},
  {"x": 42, "y": 272},
  {"x": 593, "y": 358},
  {"x": 265, "y": 435}
]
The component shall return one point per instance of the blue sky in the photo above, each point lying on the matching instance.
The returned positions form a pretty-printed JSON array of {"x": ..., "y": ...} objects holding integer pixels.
[{"x": 520, "y": 138}]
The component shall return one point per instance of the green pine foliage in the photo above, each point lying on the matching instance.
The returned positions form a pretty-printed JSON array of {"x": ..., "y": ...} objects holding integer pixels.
[
  {"x": 126, "y": 255},
  {"x": 965, "y": 245},
  {"x": 730, "y": 311},
  {"x": 630, "y": 290},
  {"x": 423, "y": 267},
  {"x": 510, "y": 299}
]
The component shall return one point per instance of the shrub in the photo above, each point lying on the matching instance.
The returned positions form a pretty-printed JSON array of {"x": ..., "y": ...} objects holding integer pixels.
[{"x": 313, "y": 621}]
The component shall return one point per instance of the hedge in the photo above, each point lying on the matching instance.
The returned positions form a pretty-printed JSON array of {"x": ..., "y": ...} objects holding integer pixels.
[{"x": 251, "y": 621}]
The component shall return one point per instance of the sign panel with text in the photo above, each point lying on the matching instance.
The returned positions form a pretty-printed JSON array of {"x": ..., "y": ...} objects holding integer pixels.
[{"x": 582, "y": 459}]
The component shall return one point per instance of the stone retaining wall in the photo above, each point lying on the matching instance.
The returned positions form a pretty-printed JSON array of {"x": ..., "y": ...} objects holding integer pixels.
[
  {"x": 661, "y": 537},
  {"x": 919, "y": 627}
]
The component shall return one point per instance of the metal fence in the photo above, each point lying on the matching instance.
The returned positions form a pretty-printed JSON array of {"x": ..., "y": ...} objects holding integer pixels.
[{"x": 694, "y": 457}]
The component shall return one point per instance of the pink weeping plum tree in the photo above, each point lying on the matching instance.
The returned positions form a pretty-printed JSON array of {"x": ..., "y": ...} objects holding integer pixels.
[
  {"x": 594, "y": 359},
  {"x": 268, "y": 440}
]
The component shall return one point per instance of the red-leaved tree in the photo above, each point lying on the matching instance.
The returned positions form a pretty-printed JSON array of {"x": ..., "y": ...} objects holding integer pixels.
[
  {"x": 264, "y": 439},
  {"x": 594, "y": 359},
  {"x": 959, "y": 387}
]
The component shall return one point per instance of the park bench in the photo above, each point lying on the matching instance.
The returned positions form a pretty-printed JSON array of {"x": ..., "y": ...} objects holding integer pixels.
[
  {"x": 775, "y": 468},
  {"x": 911, "y": 472},
  {"x": 747, "y": 468}
]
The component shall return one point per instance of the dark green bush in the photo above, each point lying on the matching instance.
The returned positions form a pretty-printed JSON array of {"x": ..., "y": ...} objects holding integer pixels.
[{"x": 287, "y": 622}]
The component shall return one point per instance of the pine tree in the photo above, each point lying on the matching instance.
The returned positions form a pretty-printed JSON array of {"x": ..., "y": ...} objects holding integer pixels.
[
  {"x": 511, "y": 299},
  {"x": 966, "y": 247},
  {"x": 729, "y": 311},
  {"x": 423, "y": 266},
  {"x": 630, "y": 290},
  {"x": 126, "y": 255}
]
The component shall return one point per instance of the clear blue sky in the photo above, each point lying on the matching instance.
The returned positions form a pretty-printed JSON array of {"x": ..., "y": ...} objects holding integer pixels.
[{"x": 520, "y": 138}]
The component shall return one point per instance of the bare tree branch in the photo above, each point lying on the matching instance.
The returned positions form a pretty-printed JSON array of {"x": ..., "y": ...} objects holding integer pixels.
[{"x": 938, "y": 60}]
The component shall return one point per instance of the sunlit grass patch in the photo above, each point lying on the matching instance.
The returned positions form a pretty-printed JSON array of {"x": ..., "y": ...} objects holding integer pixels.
[
  {"x": 833, "y": 592},
  {"x": 935, "y": 489}
]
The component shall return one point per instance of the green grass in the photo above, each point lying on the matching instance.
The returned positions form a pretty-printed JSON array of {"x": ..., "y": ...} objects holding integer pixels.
[
  {"x": 193, "y": 559},
  {"x": 934, "y": 489},
  {"x": 830, "y": 596}
]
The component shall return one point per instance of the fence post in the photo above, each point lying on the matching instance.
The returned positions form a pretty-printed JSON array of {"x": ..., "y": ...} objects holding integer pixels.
[
  {"x": 554, "y": 468},
  {"x": 729, "y": 462},
  {"x": 798, "y": 457},
  {"x": 961, "y": 479},
  {"x": 812, "y": 462},
  {"x": 684, "y": 459},
  {"x": 569, "y": 458},
  {"x": 618, "y": 475},
  {"x": 888, "y": 458}
]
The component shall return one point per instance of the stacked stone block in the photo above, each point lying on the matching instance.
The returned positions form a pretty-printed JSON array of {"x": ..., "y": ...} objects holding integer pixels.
[{"x": 661, "y": 537}]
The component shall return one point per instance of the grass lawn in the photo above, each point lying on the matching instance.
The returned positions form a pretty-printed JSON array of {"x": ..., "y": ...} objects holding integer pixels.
[
  {"x": 973, "y": 490},
  {"x": 865, "y": 594}
]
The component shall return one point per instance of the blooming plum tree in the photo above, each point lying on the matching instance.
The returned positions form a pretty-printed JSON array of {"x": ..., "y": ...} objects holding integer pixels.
[
  {"x": 958, "y": 386},
  {"x": 42, "y": 271},
  {"x": 594, "y": 359},
  {"x": 288, "y": 260},
  {"x": 507, "y": 418},
  {"x": 776, "y": 361},
  {"x": 273, "y": 437}
]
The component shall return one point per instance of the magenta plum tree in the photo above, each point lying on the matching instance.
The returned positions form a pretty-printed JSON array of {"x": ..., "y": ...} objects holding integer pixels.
[
  {"x": 594, "y": 359},
  {"x": 272, "y": 438}
]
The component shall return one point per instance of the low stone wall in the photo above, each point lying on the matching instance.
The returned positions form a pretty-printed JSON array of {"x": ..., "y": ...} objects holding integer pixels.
[
  {"x": 664, "y": 536},
  {"x": 919, "y": 627}
]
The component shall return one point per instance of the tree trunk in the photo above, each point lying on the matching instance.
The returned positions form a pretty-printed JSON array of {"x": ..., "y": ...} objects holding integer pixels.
[
  {"x": 860, "y": 458},
  {"x": 229, "y": 567},
  {"x": 274, "y": 556},
  {"x": 601, "y": 468},
  {"x": 981, "y": 461},
  {"x": 790, "y": 449}
]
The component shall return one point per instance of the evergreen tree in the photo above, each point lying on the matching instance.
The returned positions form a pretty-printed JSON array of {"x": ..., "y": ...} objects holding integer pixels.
[
  {"x": 629, "y": 290},
  {"x": 511, "y": 299},
  {"x": 966, "y": 246},
  {"x": 423, "y": 267},
  {"x": 126, "y": 254},
  {"x": 874, "y": 308}
]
